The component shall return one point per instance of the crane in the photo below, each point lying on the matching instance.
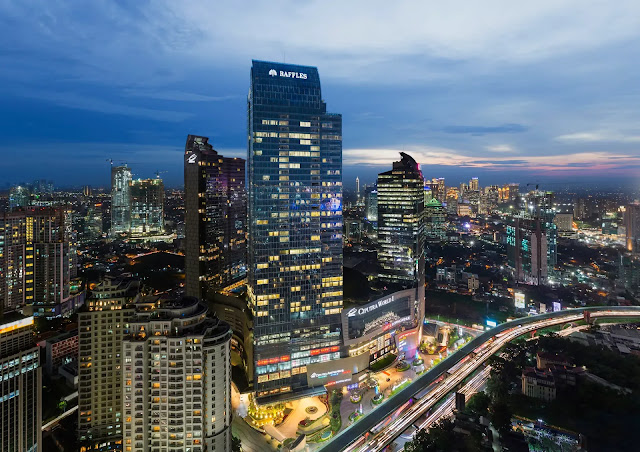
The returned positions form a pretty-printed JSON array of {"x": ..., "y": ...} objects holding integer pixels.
[{"x": 158, "y": 173}]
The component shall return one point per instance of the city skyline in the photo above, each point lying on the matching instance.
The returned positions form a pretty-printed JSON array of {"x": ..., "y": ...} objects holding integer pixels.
[{"x": 545, "y": 92}]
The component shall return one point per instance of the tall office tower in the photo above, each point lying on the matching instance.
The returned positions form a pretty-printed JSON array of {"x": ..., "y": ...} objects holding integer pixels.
[
  {"x": 295, "y": 227},
  {"x": 92, "y": 227},
  {"x": 400, "y": 221},
  {"x": 473, "y": 184},
  {"x": 358, "y": 187},
  {"x": 435, "y": 227},
  {"x": 37, "y": 259},
  {"x": 215, "y": 218},
  {"x": 177, "y": 379},
  {"x": 531, "y": 249},
  {"x": 632, "y": 227},
  {"x": 19, "y": 196},
  {"x": 102, "y": 325},
  {"x": 371, "y": 206},
  {"x": 86, "y": 190},
  {"x": 147, "y": 206},
  {"x": 120, "y": 199},
  {"x": 20, "y": 386},
  {"x": 452, "y": 200}
]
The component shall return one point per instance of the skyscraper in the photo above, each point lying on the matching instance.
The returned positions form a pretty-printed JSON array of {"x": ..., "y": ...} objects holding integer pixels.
[
  {"x": 19, "y": 196},
  {"x": 371, "y": 206},
  {"x": 37, "y": 259},
  {"x": 434, "y": 221},
  {"x": 632, "y": 226},
  {"x": 20, "y": 386},
  {"x": 147, "y": 206},
  {"x": 177, "y": 379},
  {"x": 102, "y": 325},
  {"x": 215, "y": 218},
  {"x": 400, "y": 221},
  {"x": 120, "y": 199},
  {"x": 295, "y": 226}
]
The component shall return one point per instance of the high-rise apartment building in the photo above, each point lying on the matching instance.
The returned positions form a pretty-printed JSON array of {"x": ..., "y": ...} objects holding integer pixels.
[
  {"x": 632, "y": 227},
  {"x": 176, "y": 379},
  {"x": 37, "y": 259},
  {"x": 102, "y": 326},
  {"x": 147, "y": 206},
  {"x": 120, "y": 199},
  {"x": 215, "y": 218},
  {"x": 20, "y": 386},
  {"x": 295, "y": 226},
  {"x": 400, "y": 221},
  {"x": 473, "y": 184}
]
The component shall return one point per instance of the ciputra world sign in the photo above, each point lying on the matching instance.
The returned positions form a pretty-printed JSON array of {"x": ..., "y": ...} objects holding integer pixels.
[
  {"x": 359, "y": 311},
  {"x": 274, "y": 73}
]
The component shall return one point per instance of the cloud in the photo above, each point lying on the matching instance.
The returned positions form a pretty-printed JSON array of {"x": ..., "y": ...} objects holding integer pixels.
[
  {"x": 598, "y": 136},
  {"x": 482, "y": 130},
  {"x": 77, "y": 101},
  {"x": 179, "y": 96},
  {"x": 500, "y": 148}
]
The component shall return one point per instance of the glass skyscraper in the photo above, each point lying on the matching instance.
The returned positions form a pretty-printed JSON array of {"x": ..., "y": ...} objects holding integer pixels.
[
  {"x": 120, "y": 199},
  {"x": 295, "y": 227},
  {"x": 400, "y": 222}
]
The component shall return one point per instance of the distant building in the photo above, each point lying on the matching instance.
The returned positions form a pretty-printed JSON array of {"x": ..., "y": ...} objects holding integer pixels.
[
  {"x": 632, "y": 227},
  {"x": 371, "y": 206},
  {"x": 21, "y": 382},
  {"x": 564, "y": 221},
  {"x": 19, "y": 196},
  {"x": 37, "y": 259},
  {"x": 400, "y": 221},
  {"x": 147, "y": 206},
  {"x": 629, "y": 273},
  {"x": 464, "y": 210},
  {"x": 531, "y": 249},
  {"x": 120, "y": 199},
  {"x": 435, "y": 228},
  {"x": 59, "y": 350},
  {"x": 539, "y": 384},
  {"x": 188, "y": 407},
  {"x": 215, "y": 218}
]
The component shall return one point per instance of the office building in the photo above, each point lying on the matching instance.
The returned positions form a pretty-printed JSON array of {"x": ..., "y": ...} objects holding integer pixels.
[
  {"x": 400, "y": 221},
  {"x": 371, "y": 206},
  {"x": 147, "y": 206},
  {"x": 176, "y": 379},
  {"x": 120, "y": 200},
  {"x": 102, "y": 326},
  {"x": 632, "y": 227},
  {"x": 564, "y": 222},
  {"x": 531, "y": 249},
  {"x": 295, "y": 227},
  {"x": 20, "y": 386},
  {"x": 435, "y": 226},
  {"x": 37, "y": 259},
  {"x": 473, "y": 184},
  {"x": 19, "y": 196},
  {"x": 215, "y": 218}
]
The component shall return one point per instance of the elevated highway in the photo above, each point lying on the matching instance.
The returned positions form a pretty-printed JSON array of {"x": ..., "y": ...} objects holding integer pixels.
[{"x": 384, "y": 424}]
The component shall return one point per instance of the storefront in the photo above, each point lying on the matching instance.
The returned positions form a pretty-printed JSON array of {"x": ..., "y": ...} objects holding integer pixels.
[{"x": 384, "y": 326}]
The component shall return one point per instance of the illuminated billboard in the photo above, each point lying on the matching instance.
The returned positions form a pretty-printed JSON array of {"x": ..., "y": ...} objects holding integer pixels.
[{"x": 519, "y": 300}]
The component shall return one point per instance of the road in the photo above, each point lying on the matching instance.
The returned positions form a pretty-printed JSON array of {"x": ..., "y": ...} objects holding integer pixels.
[{"x": 374, "y": 433}]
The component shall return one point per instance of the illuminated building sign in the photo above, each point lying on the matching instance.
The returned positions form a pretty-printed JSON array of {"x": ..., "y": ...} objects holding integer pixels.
[
  {"x": 11, "y": 326},
  {"x": 288, "y": 74},
  {"x": 492, "y": 323},
  {"x": 192, "y": 158},
  {"x": 375, "y": 305}
]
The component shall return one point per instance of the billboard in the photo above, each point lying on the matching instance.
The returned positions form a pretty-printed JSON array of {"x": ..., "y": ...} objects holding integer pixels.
[
  {"x": 557, "y": 306},
  {"x": 338, "y": 372},
  {"x": 519, "y": 300}
]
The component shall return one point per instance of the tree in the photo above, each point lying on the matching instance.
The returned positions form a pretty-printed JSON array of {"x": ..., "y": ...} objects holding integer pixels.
[
  {"x": 439, "y": 438},
  {"x": 500, "y": 414},
  {"x": 236, "y": 444},
  {"x": 479, "y": 404}
]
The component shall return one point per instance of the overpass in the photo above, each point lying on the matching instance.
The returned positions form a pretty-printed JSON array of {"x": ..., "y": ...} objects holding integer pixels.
[{"x": 366, "y": 434}]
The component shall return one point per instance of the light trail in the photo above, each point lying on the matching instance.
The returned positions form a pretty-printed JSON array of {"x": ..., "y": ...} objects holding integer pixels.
[{"x": 380, "y": 440}]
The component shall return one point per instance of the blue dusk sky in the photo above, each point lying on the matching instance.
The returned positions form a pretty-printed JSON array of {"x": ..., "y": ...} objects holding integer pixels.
[{"x": 502, "y": 90}]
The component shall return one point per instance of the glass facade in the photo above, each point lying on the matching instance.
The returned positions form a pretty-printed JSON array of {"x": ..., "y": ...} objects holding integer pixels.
[
  {"x": 215, "y": 218},
  {"x": 120, "y": 199},
  {"x": 147, "y": 206},
  {"x": 400, "y": 221},
  {"x": 295, "y": 226}
]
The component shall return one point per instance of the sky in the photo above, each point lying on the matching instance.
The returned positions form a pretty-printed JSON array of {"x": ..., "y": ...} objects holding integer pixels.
[{"x": 502, "y": 90}]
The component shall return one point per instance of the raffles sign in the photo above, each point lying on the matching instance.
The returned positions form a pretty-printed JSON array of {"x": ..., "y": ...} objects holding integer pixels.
[{"x": 287, "y": 74}]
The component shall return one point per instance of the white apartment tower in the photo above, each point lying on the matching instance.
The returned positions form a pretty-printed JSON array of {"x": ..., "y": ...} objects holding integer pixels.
[{"x": 176, "y": 380}]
